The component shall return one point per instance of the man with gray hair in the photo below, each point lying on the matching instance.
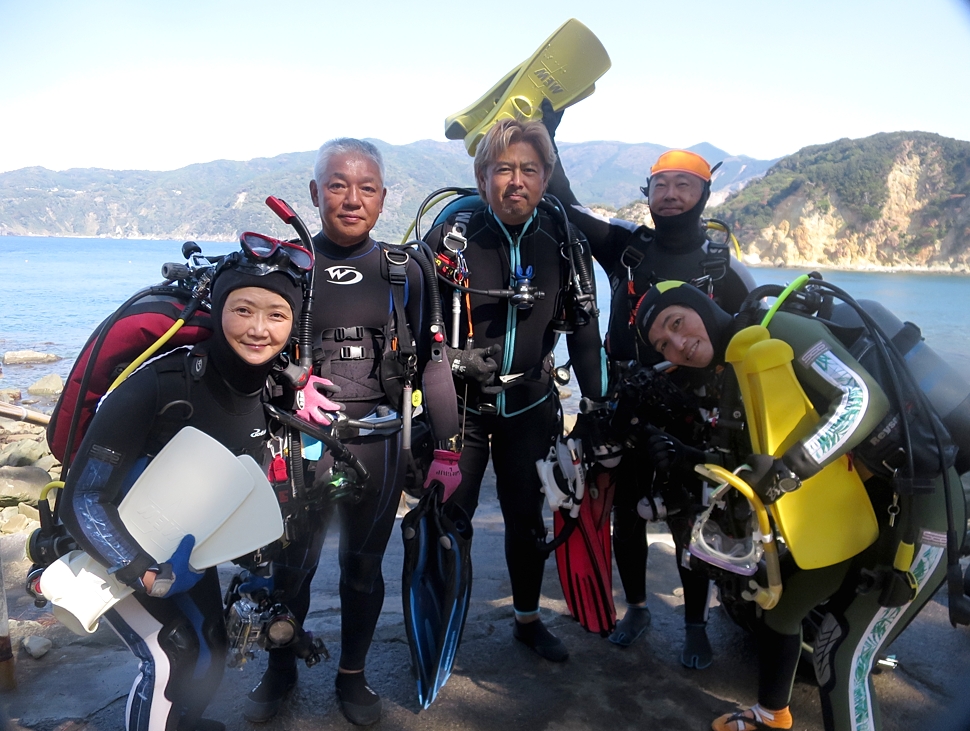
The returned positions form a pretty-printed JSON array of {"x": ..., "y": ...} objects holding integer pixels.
[
  {"x": 370, "y": 341},
  {"x": 503, "y": 362}
]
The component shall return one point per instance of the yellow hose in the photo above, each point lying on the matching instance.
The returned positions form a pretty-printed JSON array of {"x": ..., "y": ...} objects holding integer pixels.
[
  {"x": 797, "y": 284},
  {"x": 718, "y": 226},
  {"x": 147, "y": 354},
  {"x": 768, "y": 597},
  {"x": 55, "y": 485}
]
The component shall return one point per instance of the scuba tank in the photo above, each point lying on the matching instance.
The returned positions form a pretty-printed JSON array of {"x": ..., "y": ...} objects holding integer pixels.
[{"x": 948, "y": 392}]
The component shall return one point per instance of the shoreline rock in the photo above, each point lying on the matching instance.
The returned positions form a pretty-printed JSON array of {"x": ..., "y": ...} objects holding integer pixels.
[
  {"x": 28, "y": 357},
  {"x": 50, "y": 385}
]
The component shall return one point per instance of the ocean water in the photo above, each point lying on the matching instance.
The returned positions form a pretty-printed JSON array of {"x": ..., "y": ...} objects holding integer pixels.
[{"x": 55, "y": 291}]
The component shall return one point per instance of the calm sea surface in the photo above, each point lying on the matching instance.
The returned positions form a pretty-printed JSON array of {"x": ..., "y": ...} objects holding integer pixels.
[{"x": 55, "y": 291}]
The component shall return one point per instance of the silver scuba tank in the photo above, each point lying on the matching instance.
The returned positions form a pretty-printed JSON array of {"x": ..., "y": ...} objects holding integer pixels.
[{"x": 948, "y": 392}]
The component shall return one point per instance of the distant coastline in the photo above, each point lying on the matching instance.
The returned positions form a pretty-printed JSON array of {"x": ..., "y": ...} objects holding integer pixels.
[{"x": 864, "y": 268}]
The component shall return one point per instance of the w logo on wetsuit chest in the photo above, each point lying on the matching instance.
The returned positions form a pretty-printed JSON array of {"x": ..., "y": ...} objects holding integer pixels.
[{"x": 344, "y": 275}]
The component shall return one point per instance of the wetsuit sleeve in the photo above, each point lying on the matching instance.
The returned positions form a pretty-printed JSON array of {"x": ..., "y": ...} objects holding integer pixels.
[
  {"x": 849, "y": 400},
  {"x": 588, "y": 357},
  {"x": 110, "y": 458},
  {"x": 607, "y": 237},
  {"x": 436, "y": 379}
]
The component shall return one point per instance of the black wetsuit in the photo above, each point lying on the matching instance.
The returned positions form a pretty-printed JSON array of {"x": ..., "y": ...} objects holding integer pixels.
[
  {"x": 353, "y": 304},
  {"x": 180, "y": 640},
  {"x": 686, "y": 258},
  {"x": 522, "y": 420}
]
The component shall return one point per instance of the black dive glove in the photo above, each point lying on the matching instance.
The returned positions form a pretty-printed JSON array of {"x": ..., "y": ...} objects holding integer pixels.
[
  {"x": 550, "y": 118},
  {"x": 669, "y": 453},
  {"x": 769, "y": 477},
  {"x": 593, "y": 428},
  {"x": 476, "y": 364}
]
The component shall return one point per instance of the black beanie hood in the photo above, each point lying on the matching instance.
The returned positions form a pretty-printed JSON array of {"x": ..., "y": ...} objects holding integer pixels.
[
  {"x": 239, "y": 374},
  {"x": 282, "y": 284},
  {"x": 717, "y": 322}
]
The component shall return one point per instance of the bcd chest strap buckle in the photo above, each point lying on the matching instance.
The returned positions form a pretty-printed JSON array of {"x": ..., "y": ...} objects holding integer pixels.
[
  {"x": 355, "y": 352},
  {"x": 339, "y": 334}
]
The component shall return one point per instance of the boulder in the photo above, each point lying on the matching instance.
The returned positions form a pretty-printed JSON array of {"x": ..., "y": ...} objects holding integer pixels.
[
  {"x": 9, "y": 426},
  {"x": 20, "y": 357},
  {"x": 22, "y": 453},
  {"x": 16, "y": 524},
  {"x": 29, "y": 511},
  {"x": 10, "y": 395},
  {"x": 50, "y": 385},
  {"x": 21, "y": 484},
  {"x": 36, "y": 646},
  {"x": 50, "y": 464}
]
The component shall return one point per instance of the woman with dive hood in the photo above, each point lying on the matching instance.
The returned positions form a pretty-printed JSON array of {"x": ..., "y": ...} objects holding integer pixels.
[{"x": 173, "y": 622}]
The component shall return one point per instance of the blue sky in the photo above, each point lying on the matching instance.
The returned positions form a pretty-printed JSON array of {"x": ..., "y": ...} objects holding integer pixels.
[{"x": 138, "y": 85}]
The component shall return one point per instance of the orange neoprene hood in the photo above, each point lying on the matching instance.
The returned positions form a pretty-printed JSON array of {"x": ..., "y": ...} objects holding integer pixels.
[{"x": 682, "y": 161}]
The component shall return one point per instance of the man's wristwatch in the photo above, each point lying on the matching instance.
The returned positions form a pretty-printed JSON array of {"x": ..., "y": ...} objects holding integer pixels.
[{"x": 451, "y": 444}]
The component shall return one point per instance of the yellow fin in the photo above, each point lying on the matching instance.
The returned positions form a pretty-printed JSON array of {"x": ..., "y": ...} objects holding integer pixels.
[{"x": 564, "y": 70}]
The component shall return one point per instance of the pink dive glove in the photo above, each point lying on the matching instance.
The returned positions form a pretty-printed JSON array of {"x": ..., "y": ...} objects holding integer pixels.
[
  {"x": 444, "y": 469},
  {"x": 313, "y": 403}
]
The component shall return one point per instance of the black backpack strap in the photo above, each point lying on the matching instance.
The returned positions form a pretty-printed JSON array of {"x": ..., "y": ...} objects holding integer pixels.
[
  {"x": 176, "y": 377},
  {"x": 714, "y": 266},
  {"x": 397, "y": 276}
]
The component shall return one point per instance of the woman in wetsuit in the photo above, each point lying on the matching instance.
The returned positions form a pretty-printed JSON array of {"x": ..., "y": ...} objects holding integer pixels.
[{"x": 173, "y": 623}]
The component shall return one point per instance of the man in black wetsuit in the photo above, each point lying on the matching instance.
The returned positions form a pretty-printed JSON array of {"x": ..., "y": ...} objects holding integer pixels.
[
  {"x": 634, "y": 257},
  {"x": 506, "y": 345},
  {"x": 369, "y": 304},
  {"x": 173, "y": 623}
]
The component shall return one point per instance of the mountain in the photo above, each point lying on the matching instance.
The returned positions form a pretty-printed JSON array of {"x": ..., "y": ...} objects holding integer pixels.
[
  {"x": 218, "y": 200},
  {"x": 900, "y": 199},
  {"x": 611, "y": 173}
]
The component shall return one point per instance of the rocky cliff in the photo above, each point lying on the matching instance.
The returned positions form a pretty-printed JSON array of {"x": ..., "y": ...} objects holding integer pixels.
[{"x": 898, "y": 200}]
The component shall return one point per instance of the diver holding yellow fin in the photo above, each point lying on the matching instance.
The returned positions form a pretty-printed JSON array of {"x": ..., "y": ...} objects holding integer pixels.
[
  {"x": 816, "y": 418},
  {"x": 563, "y": 70}
]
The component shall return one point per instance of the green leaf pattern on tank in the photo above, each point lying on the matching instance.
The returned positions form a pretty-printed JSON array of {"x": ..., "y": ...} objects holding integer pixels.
[{"x": 848, "y": 414}]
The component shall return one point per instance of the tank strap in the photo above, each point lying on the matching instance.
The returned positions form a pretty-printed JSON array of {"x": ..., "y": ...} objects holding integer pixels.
[{"x": 907, "y": 338}]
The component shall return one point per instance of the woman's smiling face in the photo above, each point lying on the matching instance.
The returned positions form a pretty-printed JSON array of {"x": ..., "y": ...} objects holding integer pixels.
[{"x": 257, "y": 323}]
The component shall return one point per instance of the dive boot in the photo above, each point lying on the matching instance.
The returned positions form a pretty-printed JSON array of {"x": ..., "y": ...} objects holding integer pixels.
[
  {"x": 265, "y": 700},
  {"x": 545, "y": 644},
  {"x": 358, "y": 701}
]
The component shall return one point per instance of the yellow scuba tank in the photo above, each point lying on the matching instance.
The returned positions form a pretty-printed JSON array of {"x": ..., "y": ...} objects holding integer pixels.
[{"x": 830, "y": 517}]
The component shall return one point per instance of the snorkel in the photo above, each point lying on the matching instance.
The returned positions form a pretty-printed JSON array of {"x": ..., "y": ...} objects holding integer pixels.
[{"x": 299, "y": 375}]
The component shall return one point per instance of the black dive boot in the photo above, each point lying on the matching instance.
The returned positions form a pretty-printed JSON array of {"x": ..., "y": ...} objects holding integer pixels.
[{"x": 266, "y": 699}]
